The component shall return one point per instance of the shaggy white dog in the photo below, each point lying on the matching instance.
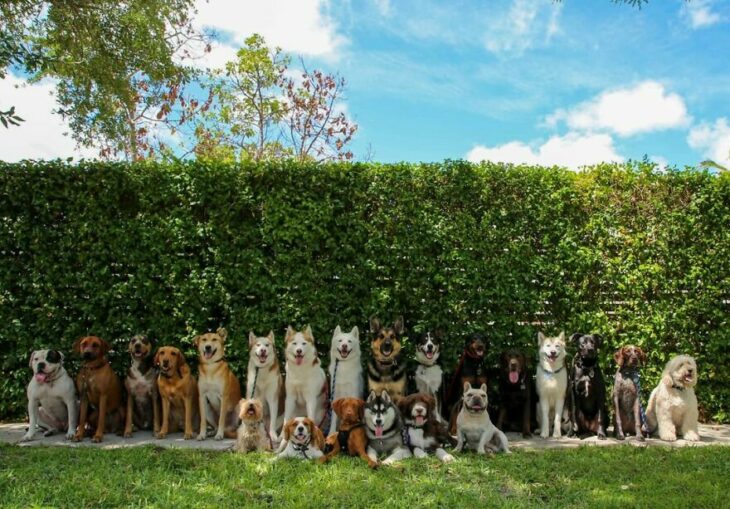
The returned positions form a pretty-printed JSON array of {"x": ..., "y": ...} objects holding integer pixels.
[{"x": 672, "y": 408}]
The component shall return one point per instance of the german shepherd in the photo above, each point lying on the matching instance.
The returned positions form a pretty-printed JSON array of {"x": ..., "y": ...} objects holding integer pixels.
[{"x": 387, "y": 367}]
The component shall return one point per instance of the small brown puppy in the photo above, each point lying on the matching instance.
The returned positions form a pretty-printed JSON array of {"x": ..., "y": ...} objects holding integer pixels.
[
  {"x": 218, "y": 387},
  {"x": 143, "y": 402},
  {"x": 178, "y": 391},
  {"x": 251, "y": 434},
  {"x": 350, "y": 437},
  {"x": 99, "y": 387},
  {"x": 626, "y": 395}
]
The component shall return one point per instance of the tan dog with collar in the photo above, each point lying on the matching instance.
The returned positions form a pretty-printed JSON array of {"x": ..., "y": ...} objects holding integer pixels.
[{"x": 218, "y": 388}]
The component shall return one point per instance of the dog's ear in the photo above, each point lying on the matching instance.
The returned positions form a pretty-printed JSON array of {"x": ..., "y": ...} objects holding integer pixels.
[
  {"x": 575, "y": 337},
  {"x": 287, "y": 429},
  {"x": 483, "y": 388},
  {"x": 308, "y": 333},
  {"x": 337, "y": 332},
  {"x": 196, "y": 340},
  {"x": 403, "y": 404},
  {"x": 385, "y": 396},
  {"x": 641, "y": 354},
  {"x": 398, "y": 325},
  {"x": 438, "y": 334},
  {"x": 467, "y": 387},
  {"x": 130, "y": 345},
  {"x": 182, "y": 365},
  {"x": 374, "y": 325},
  {"x": 598, "y": 340},
  {"x": 290, "y": 333},
  {"x": 223, "y": 333},
  {"x": 618, "y": 356},
  {"x": 431, "y": 403},
  {"x": 317, "y": 436},
  {"x": 156, "y": 360},
  {"x": 77, "y": 345},
  {"x": 561, "y": 336},
  {"x": 371, "y": 397},
  {"x": 540, "y": 338},
  {"x": 30, "y": 361},
  {"x": 271, "y": 336},
  {"x": 355, "y": 332},
  {"x": 251, "y": 339},
  {"x": 361, "y": 409},
  {"x": 504, "y": 358},
  {"x": 105, "y": 347},
  {"x": 337, "y": 406}
]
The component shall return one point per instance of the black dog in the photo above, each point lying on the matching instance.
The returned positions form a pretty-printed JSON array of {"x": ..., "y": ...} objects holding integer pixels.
[
  {"x": 515, "y": 393},
  {"x": 587, "y": 389}
]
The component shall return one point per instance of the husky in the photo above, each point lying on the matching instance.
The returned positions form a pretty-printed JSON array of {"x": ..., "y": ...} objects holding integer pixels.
[
  {"x": 384, "y": 428},
  {"x": 345, "y": 369},
  {"x": 264, "y": 381},
  {"x": 552, "y": 383},
  {"x": 474, "y": 428},
  {"x": 429, "y": 375},
  {"x": 306, "y": 383}
]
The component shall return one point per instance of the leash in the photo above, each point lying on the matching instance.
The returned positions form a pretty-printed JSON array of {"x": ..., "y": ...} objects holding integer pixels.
[
  {"x": 253, "y": 387},
  {"x": 636, "y": 378},
  {"x": 405, "y": 436},
  {"x": 303, "y": 448},
  {"x": 331, "y": 397}
]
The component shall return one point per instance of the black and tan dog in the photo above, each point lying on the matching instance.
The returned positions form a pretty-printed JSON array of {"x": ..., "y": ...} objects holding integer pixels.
[
  {"x": 143, "y": 405},
  {"x": 587, "y": 388},
  {"x": 515, "y": 393},
  {"x": 387, "y": 367},
  {"x": 471, "y": 369}
]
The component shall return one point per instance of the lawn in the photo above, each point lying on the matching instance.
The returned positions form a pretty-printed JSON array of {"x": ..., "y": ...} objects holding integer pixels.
[{"x": 156, "y": 477}]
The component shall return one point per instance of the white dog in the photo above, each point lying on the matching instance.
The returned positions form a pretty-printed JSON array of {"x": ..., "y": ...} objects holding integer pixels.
[
  {"x": 552, "y": 382},
  {"x": 264, "y": 381},
  {"x": 52, "y": 400},
  {"x": 672, "y": 407},
  {"x": 345, "y": 368},
  {"x": 306, "y": 383},
  {"x": 474, "y": 428},
  {"x": 302, "y": 440}
]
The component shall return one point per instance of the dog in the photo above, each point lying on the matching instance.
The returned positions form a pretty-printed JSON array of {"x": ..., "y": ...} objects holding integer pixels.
[
  {"x": 551, "y": 382},
  {"x": 515, "y": 391},
  {"x": 100, "y": 390},
  {"x": 588, "y": 411},
  {"x": 306, "y": 383},
  {"x": 251, "y": 434},
  {"x": 386, "y": 367},
  {"x": 178, "y": 392},
  {"x": 51, "y": 396},
  {"x": 143, "y": 405},
  {"x": 474, "y": 428},
  {"x": 384, "y": 428},
  {"x": 471, "y": 369},
  {"x": 429, "y": 375},
  {"x": 264, "y": 381},
  {"x": 218, "y": 388},
  {"x": 350, "y": 437},
  {"x": 346, "y": 377},
  {"x": 626, "y": 395},
  {"x": 424, "y": 432},
  {"x": 302, "y": 440},
  {"x": 672, "y": 408}
]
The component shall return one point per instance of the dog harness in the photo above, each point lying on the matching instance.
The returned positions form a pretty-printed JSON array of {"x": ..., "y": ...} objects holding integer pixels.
[
  {"x": 303, "y": 448},
  {"x": 343, "y": 436}
]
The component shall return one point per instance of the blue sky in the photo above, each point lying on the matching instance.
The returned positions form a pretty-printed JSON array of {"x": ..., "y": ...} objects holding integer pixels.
[{"x": 536, "y": 81}]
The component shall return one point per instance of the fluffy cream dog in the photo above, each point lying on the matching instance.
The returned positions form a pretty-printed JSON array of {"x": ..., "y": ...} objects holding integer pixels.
[
  {"x": 251, "y": 435},
  {"x": 672, "y": 408}
]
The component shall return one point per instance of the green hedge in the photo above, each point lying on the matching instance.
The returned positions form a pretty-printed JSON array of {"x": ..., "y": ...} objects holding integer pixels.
[{"x": 116, "y": 249}]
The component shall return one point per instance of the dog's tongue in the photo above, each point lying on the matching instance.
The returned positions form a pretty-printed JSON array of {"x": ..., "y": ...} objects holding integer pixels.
[
  {"x": 299, "y": 360},
  {"x": 208, "y": 354},
  {"x": 41, "y": 377},
  {"x": 429, "y": 355},
  {"x": 513, "y": 377},
  {"x": 378, "y": 431},
  {"x": 419, "y": 420}
]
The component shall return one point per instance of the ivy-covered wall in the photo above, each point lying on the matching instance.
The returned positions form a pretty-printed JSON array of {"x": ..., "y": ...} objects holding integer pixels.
[{"x": 116, "y": 249}]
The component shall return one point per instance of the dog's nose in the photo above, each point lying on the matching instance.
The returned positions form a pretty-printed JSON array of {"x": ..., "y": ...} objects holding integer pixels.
[
  {"x": 165, "y": 362},
  {"x": 378, "y": 422},
  {"x": 208, "y": 348},
  {"x": 300, "y": 429},
  {"x": 429, "y": 348},
  {"x": 299, "y": 351},
  {"x": 41, "y": 366}
]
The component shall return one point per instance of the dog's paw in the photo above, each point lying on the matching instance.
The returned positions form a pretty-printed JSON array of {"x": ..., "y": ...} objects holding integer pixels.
[
  {"x": 97, "y": 439},
  {"x": 78, "y": 436},
  {"x": 127, "y": 434},
  {"x": 544, "y": 434},
  {"x": 27, "y": 437},
  {"x": 201, "y": 436},
  {"x": 620, "y": 436},
  {"x": 448, "y": 458},
  {"x": 640, "y": 437},
  {"x": 668, "y": 436},
  {"x": 601, "y": 436},
  {"x": 373, "y": 464},
  {"x": 219, "y": 435},
  {"x": 70, "y": 435},
  {"x": 557, "y": 434},
  {"x": 160, "y": 435},
  {"x": 188, "y": 436},
  {"x": 527, "y": 434},
  {"x": 691, "y": 436}
]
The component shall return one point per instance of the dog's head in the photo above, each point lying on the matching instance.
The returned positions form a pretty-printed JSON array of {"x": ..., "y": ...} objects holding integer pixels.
[
  {"x": 681, "y": 371},
  {"x": 345, "y": 345},
  {"x": 630, "y": 356},
  {"x": 386, "y": 342},
  {"x": 300, "y": 347},
  {"x": 417, "y": 409},
  {"x": 91, "y": 347},
  {"x": 45, "y": 363},
  {"x": 475, "y": 399},
  {"x": 513, "y": 365},
  {"x": 171, "y": 361},
  {"x": 428, "y": 347},
  {"x": 380, "y": 412},
  {"x": 211, "y": 345},
  {"x": 475, "y": 346},
  {"x": 250, "y": 410},
  {"x": 140, "y": 347},
  {"x": 261, "y": 349},
  {"x": 302, "y": 431},
  {"x": 587, "y": 345},
  {"x": 349, "y": 410},
  {"x": 552, "y": 350}
]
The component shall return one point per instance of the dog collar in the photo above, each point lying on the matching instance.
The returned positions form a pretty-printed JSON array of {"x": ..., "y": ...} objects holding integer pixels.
[
  {"x": 303, "y": 448},
  {"x": 92, "y": 367},
  {"x": 552, "y": 372},
  {"x": 677, "y": 387}
]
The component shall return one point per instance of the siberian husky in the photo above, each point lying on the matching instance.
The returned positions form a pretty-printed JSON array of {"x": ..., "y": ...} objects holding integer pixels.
[{"x": 345, "y": 369}]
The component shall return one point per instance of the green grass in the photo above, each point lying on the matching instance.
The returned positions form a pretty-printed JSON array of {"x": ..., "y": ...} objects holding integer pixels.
[{"x": 155, "y": 477}]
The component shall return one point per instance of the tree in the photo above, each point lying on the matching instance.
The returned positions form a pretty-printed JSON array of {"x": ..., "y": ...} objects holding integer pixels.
[{"x": 114, "y": 62}]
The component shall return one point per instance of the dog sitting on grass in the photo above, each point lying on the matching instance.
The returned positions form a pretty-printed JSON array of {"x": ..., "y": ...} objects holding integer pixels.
[{"x": 251, "y": 434}]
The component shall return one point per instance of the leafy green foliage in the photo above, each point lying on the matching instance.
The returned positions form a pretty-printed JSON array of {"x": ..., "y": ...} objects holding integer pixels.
[{"x": 115, "y": 249}]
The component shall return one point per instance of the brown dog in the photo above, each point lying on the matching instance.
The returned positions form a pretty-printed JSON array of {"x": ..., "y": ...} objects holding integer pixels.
[
  {"x": 218, "y": 387},
  {"x": 178, "y": 392},
  {"x": 626, "y": 395},
  {"x": 350, "y": 437},
  {"x": 99, "y": 387},
  {"x": 143, "y": 405}
]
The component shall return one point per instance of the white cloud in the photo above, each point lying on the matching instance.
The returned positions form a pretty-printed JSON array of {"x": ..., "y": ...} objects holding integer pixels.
[
  {"x": 41, "y": 136},
  {"x": 383, "y": 6},
  {"x": 572, "y": 150},
  {"x": 627, "y": 111},
  {"x": 661, "y": 163},
  {"x": 712, "y": 140},
  {"x": 698, "y": 14},
  {"x": 300, "y": 27},
  {"x": 516, "y": 30}
]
